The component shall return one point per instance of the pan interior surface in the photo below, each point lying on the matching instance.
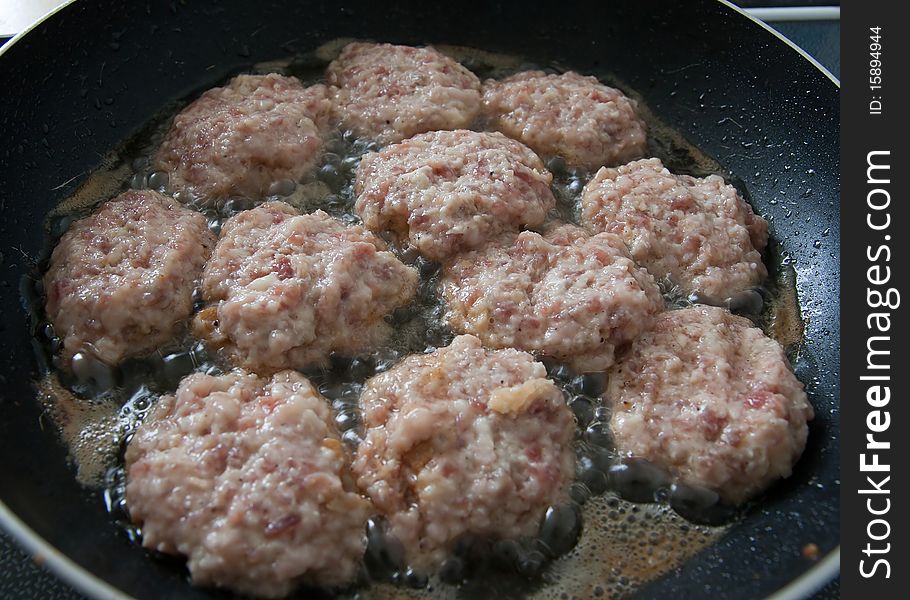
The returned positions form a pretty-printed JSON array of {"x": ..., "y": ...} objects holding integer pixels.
[{"x": 735, "y": 91}]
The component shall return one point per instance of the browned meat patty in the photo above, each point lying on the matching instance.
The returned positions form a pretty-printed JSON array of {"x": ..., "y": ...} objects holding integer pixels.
[
  {"x": 286, "y": 290},
  {"x": 575, "y": 117},
  {"x": 463, "y": 441},
  {"x": 706, "y": 395},
  {"x": 121, "y": 280},
  {"x": 568, "y": 295},
  {"x": 450, "y": 191},
  {"x": 389, "y": 93},
  {"x": 248, "y": 479},
  {"x": 239, "y": 139},
  {"x": 697, "y": 232}
]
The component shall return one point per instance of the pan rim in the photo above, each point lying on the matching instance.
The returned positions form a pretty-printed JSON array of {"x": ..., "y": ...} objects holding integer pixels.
[
  {"x": 89, "y": 584},
  {"x": 9, "y": 43},
  {"x": 784, "y": 39},
  {"x": 46, "y": 555}
]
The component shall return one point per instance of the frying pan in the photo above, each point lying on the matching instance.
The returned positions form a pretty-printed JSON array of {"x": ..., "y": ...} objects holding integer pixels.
[{"x": 97, "y": 70}]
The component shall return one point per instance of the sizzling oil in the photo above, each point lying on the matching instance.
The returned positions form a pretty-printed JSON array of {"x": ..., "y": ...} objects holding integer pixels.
[{"x": 622, "y": 544}]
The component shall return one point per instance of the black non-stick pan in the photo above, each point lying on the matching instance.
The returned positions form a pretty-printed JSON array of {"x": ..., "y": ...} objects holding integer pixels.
[{"x": 92, "y": 74}]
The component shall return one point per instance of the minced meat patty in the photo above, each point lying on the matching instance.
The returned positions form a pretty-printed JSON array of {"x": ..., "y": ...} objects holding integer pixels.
[
  {"x": 568, "y": 295},
  {"x": 696, "y": 232},
  {"x": 248, "y": 479},
  {"x": 463, "y": 441},
  {"x": 239, "y": 139},
  {"x": 389, "y": 93},
  {"x": 121, "y": 280},
  {"x": 572, "y": 116},
  {"x": 709, "y": 397},
  {"x": 286, "y": 290},
  {"x": 450, "y": 191}
]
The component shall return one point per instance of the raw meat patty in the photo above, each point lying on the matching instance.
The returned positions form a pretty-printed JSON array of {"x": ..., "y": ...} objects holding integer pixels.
[
  {"x": 698, "y": 233},
  {"x": 120, "y": 281},
  {"x": 463, "y": 441},
  {"x": 450, "y": 191},
  {"x": 706, "y": 395},
  {"x": 286, "y": 290},
  {"x": 247, "y": 478},
  {"x": 568, "y": 295},
  {"x": 576, "y": 117},
  {"x": 389, "y": 93},
  {"x": 239, "y": 139}
]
